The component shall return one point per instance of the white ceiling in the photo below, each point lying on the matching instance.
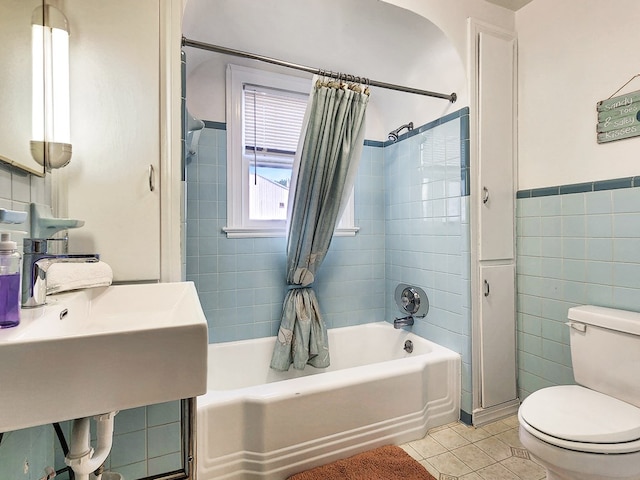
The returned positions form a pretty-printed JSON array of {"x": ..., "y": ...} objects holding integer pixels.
[{"x": 511, "y": 4}]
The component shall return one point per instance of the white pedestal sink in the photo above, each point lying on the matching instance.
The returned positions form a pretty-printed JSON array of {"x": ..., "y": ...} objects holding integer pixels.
[{"x": 100, "y": 350}]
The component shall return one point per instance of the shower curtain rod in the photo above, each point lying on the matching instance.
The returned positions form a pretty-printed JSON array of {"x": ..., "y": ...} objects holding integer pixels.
[{"x": 374, "y": 83}]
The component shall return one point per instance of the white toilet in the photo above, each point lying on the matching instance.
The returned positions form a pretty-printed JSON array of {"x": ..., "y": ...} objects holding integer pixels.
[{"x": 591, "y": 431}]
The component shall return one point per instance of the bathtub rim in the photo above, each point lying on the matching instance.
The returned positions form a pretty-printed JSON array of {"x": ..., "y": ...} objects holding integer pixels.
[{"x": 322, "y": 381}]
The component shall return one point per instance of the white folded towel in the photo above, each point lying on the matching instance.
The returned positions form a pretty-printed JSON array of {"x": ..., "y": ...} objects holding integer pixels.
[{"x": 65, "y": 276}]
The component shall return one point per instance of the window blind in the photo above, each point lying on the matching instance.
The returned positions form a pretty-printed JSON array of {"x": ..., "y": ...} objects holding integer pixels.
[{"x": 272, "y": 119}]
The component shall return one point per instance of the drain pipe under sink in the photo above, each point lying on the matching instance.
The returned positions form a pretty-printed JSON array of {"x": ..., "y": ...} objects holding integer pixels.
[{"x": 82, "y": 458}]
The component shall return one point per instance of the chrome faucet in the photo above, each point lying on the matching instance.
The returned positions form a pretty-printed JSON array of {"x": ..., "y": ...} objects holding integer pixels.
[
  {"x": 403, "y": 322},
  {"x": 36, "y": 263}
]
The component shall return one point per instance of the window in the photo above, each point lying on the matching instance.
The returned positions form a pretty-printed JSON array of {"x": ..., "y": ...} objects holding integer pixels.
[
  {"x": 265, "y": 112},
  {"x": 272, "y": 121}
]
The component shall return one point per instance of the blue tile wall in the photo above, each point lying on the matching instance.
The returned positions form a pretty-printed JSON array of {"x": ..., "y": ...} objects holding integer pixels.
[
  {"x": 427, "y": 232},
  {"x": 24, "y": 454},
  {"x": 241, "y": 282},
  {"x": 576, "y": 244}
]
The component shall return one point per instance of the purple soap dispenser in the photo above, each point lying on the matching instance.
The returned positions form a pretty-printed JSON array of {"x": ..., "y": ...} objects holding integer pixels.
[{"x": 9, "y": 282}]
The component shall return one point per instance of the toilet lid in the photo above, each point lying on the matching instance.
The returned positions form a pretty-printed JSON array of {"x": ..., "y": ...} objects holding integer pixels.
[{"x": 578, "y": 414}]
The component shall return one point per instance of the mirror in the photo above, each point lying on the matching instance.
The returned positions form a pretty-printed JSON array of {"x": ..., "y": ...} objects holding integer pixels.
[{"x": 15, "y": 84}]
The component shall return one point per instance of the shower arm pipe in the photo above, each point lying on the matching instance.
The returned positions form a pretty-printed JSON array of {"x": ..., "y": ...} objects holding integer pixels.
[{"x": 374, "y": 83}]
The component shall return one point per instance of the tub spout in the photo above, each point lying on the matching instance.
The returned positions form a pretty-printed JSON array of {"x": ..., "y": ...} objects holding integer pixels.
[{"x": 403, "y": 322}]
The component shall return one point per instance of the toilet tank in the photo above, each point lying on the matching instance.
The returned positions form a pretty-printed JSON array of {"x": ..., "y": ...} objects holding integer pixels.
[{"x": 605, "y": 351}]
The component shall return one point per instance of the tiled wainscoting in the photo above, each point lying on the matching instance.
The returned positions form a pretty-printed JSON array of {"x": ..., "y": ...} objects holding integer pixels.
[{"x": 577, "y": 244}]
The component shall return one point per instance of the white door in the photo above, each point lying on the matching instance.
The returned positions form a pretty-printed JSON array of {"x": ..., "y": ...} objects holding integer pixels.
[
  {"x": 498, "y": 342},
  {"x": 113, "y": 177},
  {"x": 496, "y": 146}
]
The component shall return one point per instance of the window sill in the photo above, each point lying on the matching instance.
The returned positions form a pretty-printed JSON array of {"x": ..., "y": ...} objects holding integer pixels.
[{"x": 248, "y": 232}]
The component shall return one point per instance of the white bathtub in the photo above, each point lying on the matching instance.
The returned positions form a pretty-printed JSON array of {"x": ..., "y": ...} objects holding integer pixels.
[{"x": 256, "y": 423}]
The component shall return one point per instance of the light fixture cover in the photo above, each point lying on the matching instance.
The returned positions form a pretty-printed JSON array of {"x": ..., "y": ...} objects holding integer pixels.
[{"x": 51, "y": 123}]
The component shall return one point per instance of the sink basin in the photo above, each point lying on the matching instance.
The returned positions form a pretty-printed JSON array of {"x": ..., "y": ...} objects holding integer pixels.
[{"x": 98, "y": 350}]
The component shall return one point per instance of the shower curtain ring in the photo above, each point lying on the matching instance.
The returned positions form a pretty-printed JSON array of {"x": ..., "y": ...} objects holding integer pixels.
[{"x": 366, "y": 88}]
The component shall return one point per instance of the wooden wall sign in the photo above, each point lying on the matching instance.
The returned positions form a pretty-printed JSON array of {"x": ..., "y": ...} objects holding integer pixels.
[{"x": 619, "y": 117}]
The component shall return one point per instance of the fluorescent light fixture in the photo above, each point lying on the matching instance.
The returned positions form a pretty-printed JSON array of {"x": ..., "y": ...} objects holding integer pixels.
[{"x": 51, "y": 123}]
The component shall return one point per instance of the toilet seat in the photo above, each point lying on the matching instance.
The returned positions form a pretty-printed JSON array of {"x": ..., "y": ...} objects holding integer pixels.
[{"x": 583, "y": 420}]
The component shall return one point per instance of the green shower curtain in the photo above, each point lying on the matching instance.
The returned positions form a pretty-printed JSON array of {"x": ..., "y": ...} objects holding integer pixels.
[{"x": 325, "y": 167}]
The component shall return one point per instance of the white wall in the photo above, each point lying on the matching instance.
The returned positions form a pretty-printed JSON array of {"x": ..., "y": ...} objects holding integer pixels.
[
  {"x": 451, "y": 17},
  {"x": 572, "y": 55},
  {"x": 363, "y": 37}
]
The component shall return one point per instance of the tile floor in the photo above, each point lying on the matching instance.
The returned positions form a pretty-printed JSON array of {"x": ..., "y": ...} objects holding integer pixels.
[{"x": 460, "y": 452}]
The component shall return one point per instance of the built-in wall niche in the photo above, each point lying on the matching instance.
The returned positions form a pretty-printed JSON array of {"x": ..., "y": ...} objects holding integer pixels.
[{"x": 16, "y": 17}]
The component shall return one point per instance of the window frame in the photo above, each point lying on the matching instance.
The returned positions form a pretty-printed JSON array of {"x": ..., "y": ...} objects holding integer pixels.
[{"x": 239, "y": 225}]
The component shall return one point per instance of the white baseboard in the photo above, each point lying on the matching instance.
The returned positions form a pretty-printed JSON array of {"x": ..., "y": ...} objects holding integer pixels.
[{"x": 482, "y": 416}]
